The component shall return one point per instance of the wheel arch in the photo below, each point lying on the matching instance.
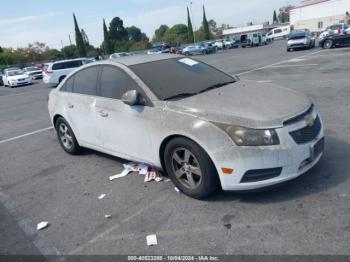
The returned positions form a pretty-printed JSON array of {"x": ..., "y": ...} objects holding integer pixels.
[{"x": 167, "y": 139}]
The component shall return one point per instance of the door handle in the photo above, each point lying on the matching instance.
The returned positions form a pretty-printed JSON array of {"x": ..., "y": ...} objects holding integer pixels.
[
  {"x": 70, "y": 105},
  {"x": 103, "y": 113}
]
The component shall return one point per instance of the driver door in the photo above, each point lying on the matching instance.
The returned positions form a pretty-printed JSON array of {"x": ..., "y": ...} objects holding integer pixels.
[{"x": 125, "y": 130}]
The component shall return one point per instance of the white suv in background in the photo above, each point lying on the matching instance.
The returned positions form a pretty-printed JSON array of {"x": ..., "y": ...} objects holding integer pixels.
[{"x": 55, "y": 72}]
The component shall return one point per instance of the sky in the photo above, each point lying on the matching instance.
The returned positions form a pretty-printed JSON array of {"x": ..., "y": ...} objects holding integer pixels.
[{"x": 51, "y": 22}]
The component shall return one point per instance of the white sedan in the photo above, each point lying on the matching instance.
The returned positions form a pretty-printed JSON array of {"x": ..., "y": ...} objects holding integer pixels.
[
  {"x": 15, "y": 78},
  {"x": 206, "y": 129}
]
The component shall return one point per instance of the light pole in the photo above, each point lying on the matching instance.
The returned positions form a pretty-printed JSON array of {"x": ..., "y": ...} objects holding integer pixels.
[
  {"x": 194, "y": 27},
  {"x": 70, "y": 40}
]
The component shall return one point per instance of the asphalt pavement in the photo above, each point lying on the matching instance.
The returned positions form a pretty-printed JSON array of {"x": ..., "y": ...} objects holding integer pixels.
[{"x": 40, "y": 182}]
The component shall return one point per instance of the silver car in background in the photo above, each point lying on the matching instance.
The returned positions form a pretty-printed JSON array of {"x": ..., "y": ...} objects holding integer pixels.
[{"x": 300, "y": 40}]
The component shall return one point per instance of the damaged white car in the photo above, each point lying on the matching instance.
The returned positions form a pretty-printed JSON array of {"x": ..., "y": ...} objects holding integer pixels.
[{"x": 203, "y": 127}]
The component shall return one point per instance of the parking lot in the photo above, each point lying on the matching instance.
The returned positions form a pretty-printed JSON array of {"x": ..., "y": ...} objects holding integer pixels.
[{"x": 40, "y": 182}]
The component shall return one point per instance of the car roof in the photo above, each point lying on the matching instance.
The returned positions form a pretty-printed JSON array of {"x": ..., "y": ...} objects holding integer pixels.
[
  {"x": 69, "y": 60},
  {"x": 140, "y": 59}
]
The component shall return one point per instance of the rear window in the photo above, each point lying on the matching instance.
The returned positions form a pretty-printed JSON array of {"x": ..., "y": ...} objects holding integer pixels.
[{"x": 176, "y": 76}]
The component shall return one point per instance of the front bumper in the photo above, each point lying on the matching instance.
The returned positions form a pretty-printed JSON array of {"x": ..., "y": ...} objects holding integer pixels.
[
  {"x": 293, "y": 159},
  {"x": 298, "y": 45},
  {"x": 20, "y": 83}
]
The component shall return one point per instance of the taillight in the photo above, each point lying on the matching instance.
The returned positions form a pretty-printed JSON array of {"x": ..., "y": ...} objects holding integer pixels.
[{"x": 48, "y": 71}]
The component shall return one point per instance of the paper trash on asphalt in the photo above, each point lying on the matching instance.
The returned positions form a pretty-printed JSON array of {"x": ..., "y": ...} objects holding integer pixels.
[
  {"x": 42, "y": 225},
  {"x": 101, "y": 196},
  {"x": 151, "y": 240},
  {"x": 108, "y": 216},
  {"x": 150, "y": 173}
]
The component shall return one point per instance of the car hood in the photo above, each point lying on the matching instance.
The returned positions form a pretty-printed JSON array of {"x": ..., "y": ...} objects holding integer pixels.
[
  {"x": 17, "y": 77},
  {"x": 245, "y": 103},
  {"x": 34, "y": 72}
]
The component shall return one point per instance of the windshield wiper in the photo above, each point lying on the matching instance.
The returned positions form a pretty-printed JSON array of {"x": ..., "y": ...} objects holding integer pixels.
[
  {"x": 181, "y": 95},
  {"x": 216, "y": 86}
]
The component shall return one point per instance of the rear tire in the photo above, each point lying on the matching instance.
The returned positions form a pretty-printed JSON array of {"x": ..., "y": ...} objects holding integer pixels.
[
  {"x": 61, "y": 79},
  {"x": 190, "y": 168},
  {"x": 66, "y": 137},
  {"x": 328, "y": 44}
]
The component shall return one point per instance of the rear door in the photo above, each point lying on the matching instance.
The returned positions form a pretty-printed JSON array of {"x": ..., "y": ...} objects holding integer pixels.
[
  {"x": 126, "y": 130},
  {"x": 79, "y": 104}
]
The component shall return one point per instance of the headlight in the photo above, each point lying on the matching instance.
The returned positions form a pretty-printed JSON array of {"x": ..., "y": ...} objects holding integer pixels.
[{"x": 243, "y": 136}]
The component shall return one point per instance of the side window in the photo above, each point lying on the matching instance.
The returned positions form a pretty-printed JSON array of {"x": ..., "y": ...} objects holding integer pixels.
[
  {"x": 115, "y": 82},
  {"x": 73, "y": 64},
  {"x": 58, "y": 66},
  {"x": 68, "y": 86},
  {"x": 277, "y": 31},
  {"x": 85, "y": 81}
]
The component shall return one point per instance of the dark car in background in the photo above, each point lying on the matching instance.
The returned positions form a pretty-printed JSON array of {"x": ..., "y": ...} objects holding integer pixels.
[
  {"x": 208, "y": 48},
  {"x": 1, "y": 82},
  {"x": 338, "y": 40}
]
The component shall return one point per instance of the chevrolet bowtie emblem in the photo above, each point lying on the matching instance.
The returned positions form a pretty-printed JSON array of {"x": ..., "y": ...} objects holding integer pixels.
[{"x": 310, "y": 120}]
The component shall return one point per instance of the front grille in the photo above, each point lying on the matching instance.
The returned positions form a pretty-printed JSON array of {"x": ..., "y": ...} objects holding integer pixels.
[
  {"x": 261, "y": 174},
  {"x": 299, "y": 117},
  {"x": 308, "y": 133}
]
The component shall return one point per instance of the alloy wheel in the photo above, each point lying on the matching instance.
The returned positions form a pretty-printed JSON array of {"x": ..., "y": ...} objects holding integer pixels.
[
  {"x": 186, "y": 168},
  {"x": 65, "y": 136}
]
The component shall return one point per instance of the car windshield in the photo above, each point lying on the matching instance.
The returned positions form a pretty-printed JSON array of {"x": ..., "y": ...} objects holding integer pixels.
[
  {"x": 298, "y": 35},
  {"x": 14, "y": 73},
  {"x": 180, "y": 77}
]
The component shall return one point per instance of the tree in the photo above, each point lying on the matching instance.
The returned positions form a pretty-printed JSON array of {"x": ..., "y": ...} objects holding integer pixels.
[
  {"x": 79, "y": 39},
  {"x": 70, "y": 51},
  {"x": 283, "y": 16},
  {"x": 85, "y": 38},
  {"x": 106, "y": 45},
  {"x": 275, "y": 19},
  {"x": 190, "y": 28},
  {"x": 160, "y": 33},
  {"x": 117, "y": 31},
  {"x": 1, "y": 50},
  {"x": 134, "y": 34},
  {"x": 205, "y": 26}
]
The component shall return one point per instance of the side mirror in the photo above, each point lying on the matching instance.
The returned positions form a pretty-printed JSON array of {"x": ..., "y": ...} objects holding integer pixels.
[{"x": 132, "y": 98}]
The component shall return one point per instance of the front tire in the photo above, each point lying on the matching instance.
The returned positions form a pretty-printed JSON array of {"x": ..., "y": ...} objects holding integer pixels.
[
  {"x": 328, "y": 44},
  {"x": 66, "y": 137},
  {"x": 190, "y": 168}
]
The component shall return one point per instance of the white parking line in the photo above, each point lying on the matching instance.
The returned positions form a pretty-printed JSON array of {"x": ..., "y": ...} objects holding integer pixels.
[
  {"x": 25, "y": 135},
  {"x": 276, "y": 66},
  {"x": 279, "y": 63}
]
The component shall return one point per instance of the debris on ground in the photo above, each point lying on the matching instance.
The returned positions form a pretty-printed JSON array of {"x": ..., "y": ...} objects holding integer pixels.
[
  {"x": 151, "y": 240},
  {"x": 228, "y": 226},
  {"x": 86, "y": 193},
  {"x": 42, "y": 225},
  {"x": 168, "y": 180},
  {"x": 101, "y": 196},
  {"x": 108, "y": 216},
  {"x": 177, "y": 190},
  {"x": 151, "y": 173}
]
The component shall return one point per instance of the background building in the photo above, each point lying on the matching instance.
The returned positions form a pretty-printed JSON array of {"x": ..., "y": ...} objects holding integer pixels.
[
  {"x": 317, "y": 15},
  {"x": 262, "y": 28}
]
